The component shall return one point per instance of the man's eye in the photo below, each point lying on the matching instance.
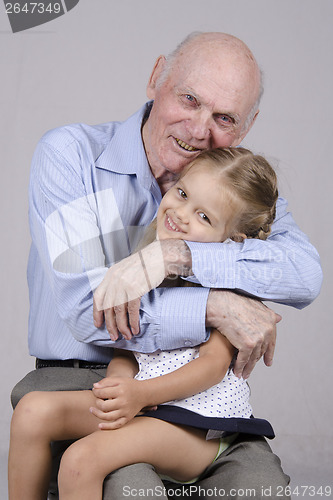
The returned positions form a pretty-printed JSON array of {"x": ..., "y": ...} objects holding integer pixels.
[
  {"x": 190, "y": 98},
  {"x": 225, "y": 119},
  {"x": 182, "y": 193},
  {"x": 204, "y": 217}
]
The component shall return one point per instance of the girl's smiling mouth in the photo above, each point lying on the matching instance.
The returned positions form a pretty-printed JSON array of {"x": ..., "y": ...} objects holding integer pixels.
[{"x": 171, "y": 225}]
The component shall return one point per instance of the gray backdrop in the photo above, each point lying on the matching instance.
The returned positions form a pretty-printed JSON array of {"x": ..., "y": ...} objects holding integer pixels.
[{"x": 92, "y": 65}]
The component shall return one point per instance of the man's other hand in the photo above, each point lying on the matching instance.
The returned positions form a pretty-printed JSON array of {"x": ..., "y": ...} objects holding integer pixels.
[{"x": 248, "y": 324}]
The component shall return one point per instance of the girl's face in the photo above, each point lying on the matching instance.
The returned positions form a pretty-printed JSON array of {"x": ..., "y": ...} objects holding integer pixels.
[{"x": 196, "y": 208}]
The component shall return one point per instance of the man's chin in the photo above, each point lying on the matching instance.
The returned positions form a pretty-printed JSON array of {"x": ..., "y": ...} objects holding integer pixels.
[{"x": 178, "y": 161}]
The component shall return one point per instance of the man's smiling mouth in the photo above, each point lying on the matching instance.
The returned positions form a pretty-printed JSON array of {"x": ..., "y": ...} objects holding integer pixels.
[{"x": 183, "y": 145}]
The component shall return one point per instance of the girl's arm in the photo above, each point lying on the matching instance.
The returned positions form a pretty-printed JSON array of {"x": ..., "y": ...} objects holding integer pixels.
[
  {"x": 123, "y": 364},
  {"x": 198, "y": 375},
  {"x": 120, "y": 399}
]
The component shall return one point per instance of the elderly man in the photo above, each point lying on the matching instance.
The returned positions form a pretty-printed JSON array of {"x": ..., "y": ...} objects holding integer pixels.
[{"x": 92, "y": 190}]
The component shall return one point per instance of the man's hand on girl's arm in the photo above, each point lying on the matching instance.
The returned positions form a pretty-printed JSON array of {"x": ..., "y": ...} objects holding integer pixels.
[
  {"x": 117, "y": 298},
  {"x": 248, "y": 324}
]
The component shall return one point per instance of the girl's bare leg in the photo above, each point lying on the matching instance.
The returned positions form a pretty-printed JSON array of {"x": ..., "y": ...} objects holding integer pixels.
[
  {"x": 39, "y": 418},
  {"x": 179, "y": 452}
]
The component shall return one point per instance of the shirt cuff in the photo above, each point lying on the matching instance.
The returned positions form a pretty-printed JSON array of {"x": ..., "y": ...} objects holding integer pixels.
[
  {"x": 214, "y": 264},
  {"x": 183, "y": 317}
]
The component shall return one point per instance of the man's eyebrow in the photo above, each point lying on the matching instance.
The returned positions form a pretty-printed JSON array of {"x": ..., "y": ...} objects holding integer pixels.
[{"x": 188, "y": 90}]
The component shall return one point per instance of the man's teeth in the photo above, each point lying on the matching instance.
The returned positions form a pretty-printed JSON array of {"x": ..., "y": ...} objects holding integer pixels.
[
  {"x": 171, "y": 224},
  {"x": 186, "y": 146}
]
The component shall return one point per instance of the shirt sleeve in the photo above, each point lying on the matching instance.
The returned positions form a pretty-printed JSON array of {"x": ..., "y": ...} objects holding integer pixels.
[
  {"x": 284, "y": 268},
  {"x": 65, "y": 233},
  {"x": 181, "y": 314},
  {"x": 169, "y": 319}
]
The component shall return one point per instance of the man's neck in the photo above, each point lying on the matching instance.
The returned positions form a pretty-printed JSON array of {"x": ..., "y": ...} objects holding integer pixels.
[{"x": 166, "y": 182}]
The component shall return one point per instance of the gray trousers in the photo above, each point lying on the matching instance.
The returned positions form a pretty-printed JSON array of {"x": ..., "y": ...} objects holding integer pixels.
[{"x": 247, "y": 469}]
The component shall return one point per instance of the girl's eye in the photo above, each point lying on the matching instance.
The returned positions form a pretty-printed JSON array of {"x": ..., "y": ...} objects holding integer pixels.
[
  {"x": 204, "y": 217},
  {"x": 182, "y": 193}
]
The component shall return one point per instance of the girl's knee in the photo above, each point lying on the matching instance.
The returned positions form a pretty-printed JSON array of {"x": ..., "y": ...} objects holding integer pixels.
[
  {"x": 76, "y": 466},
  {"x": 32, "y": 415},
  {"x": 79, "y": 456}
]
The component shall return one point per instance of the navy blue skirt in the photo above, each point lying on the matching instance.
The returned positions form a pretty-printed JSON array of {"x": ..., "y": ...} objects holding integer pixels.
[{"x": 182, "y": 416}]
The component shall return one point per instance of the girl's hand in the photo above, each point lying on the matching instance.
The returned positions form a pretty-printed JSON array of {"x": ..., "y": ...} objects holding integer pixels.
[{"x": 118, "y": 400}]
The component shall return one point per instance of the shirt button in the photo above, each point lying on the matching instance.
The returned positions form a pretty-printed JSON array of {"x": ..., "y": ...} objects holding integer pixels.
[{"x": 187, "y": 343}]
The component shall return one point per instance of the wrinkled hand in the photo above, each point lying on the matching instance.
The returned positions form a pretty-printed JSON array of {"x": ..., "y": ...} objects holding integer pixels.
[
  {"x": 118, "y": 400},
  {"x": 117, "y": 298},
  {"x": 248, "y": 324}
]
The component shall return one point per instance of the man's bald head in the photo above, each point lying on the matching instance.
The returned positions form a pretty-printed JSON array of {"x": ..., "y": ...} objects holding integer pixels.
[{"x": 215, "y": 44}]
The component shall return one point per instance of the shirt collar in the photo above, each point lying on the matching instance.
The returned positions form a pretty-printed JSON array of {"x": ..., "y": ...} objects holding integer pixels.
[{"x": 125, "y": 153}]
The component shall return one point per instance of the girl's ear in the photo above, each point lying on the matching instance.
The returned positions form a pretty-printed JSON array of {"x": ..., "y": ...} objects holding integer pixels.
[
  {"x": 239, "y": 237},
  {"x": 157, "y": 70}
]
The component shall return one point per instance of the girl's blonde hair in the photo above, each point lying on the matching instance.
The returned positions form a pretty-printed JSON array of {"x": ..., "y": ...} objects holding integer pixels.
[{"x": 251, "y": 179}]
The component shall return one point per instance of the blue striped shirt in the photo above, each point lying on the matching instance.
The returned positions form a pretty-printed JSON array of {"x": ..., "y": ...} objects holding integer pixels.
[{"x": 91, "y": 195}]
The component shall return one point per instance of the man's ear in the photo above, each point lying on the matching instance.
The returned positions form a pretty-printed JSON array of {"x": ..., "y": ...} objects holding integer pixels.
[
  {"x": 156, "y": 73},
  {"x": 253, "y": 120},
  {"x": 239, "y": 237}
]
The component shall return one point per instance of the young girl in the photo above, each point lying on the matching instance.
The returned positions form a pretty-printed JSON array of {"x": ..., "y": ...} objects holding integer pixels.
[{"x": 222, "y": 194}]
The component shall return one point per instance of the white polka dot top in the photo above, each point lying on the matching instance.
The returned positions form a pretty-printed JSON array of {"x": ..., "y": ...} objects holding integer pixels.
[{"x": 227, "y": 399}]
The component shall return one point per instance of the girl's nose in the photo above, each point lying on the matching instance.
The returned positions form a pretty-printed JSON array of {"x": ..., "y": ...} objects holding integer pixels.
[{"x": 181, "y": 215}]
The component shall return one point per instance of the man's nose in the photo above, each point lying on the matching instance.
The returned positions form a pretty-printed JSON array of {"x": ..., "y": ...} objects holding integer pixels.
[{"x": 199, "y": 126}]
